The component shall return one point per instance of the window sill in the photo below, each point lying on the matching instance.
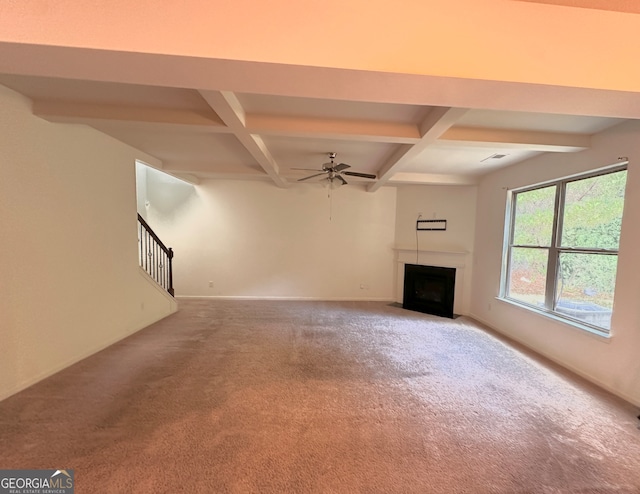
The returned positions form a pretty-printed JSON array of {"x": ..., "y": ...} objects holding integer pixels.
[{"x": 591, "y": 331}]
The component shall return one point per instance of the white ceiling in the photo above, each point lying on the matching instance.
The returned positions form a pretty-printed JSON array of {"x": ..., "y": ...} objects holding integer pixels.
[{"x": 200, "y": 134}]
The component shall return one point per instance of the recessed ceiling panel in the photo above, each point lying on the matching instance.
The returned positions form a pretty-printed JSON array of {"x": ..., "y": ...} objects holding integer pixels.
[
  {"x": 543, "y": 122},
  {"x": 319, "y": 108},
  {"x": 366, "y": 157},
  {"x": 106, "y": 93},
  {"x": 175, "y": 146},
  {"x": 464, "y": 160}
]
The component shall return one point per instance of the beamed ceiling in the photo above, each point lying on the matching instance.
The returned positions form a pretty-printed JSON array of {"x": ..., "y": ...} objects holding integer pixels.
[
  {"x": 200, "y": 134},
  {"x": 209, "y": 118}
]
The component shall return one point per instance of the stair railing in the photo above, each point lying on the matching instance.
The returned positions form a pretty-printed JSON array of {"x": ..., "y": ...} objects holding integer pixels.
[{"x": 155, "y": 257}]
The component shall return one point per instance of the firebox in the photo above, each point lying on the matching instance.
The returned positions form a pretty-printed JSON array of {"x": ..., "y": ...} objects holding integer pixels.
[{"x": 429, "y": 289}]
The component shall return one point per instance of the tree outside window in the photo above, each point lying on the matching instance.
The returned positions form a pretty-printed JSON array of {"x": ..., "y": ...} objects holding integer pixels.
[{"x": 562, "y": 247}]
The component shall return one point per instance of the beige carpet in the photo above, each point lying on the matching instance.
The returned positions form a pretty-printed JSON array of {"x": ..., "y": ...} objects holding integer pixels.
[{"x": 247, "y": 396}]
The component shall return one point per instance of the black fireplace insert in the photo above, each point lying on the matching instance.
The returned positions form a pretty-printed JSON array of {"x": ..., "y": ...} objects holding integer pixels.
[{"x": 429, "y": 289}]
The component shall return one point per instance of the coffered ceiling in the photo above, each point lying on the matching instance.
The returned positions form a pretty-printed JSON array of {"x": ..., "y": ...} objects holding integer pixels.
[
  {"x": 200, "y": 134},
  {"x": 418, "y": 108}
]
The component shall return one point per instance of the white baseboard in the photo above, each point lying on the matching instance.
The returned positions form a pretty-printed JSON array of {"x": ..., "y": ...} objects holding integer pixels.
[
  {"x": 74, "y": 360},
  {"x": 257, "y": 297},
  {"x": 581, "y": 373}
]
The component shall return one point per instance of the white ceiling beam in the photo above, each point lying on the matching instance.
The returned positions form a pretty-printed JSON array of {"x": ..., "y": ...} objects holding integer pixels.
[
  {"x": 554, "y": 142},
  {"x": 436, "y": 123},
  {"x": 91, "y": 113},
  {"x": 229, "y": 109},
  {"x": 331, "y": 128},
  {"x": 156, "y": 69}
]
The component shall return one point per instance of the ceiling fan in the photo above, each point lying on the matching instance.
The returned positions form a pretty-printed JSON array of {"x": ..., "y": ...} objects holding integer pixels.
[{"x": 333, "y": 173}]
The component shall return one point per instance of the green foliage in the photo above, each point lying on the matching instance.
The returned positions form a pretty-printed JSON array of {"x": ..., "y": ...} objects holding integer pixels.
[
  {"x": 534, "y": 217},
  {"x": 599, "y": 236},
  {"x": 593, "y": 212},
  {"x": 587, "y": 276},
  {"x": 528, "y": 274},
  {"x": 592, "y": 220}
]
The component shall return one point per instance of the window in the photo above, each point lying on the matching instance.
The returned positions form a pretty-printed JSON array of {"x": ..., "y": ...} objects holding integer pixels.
[{"x": 561, "y": 251}]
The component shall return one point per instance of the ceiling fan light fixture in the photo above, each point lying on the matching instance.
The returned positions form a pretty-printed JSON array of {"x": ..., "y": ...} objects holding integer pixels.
[{"x": 334, "y": 172}]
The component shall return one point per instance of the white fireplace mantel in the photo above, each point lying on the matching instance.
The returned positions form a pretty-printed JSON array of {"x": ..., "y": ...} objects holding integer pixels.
[
  {"x": 450, "y": 258},
  {"x": 435, "y": 251}
]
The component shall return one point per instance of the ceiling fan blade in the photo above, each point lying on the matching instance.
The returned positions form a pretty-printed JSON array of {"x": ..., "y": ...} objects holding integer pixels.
[
  {"x": 308, "y": 169},
  {"x": 363, "y": 175},
  {"x": 344, "y": 182},
  {"x": 311, "y": 176},
  {"x": 341, "y": 166}
]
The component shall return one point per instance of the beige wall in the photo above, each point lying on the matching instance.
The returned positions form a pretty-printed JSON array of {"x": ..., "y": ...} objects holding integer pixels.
[
  {"x": 256, "y": 240},
  {"x": 69, "y": 274},
  {"x": 450, "y": 248},
  {"x": 253, "y": 239},
  {"x": 456, "y": 204},
  {"x": 613, "y": 363}
]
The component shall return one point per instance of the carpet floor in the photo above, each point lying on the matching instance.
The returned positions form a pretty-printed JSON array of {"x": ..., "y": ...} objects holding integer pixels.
[{"x": 282, "y": 396}]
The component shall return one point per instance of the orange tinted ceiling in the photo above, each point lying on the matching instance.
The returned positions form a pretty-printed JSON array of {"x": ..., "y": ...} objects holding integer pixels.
[{"x": 475, "y": 39}]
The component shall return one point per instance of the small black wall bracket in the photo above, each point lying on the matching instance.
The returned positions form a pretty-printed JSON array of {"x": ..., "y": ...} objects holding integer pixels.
[{"x": 437, "y": 225}]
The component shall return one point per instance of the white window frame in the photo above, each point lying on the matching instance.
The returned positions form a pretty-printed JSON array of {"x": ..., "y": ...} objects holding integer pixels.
[{"x": 554, "y": 250}]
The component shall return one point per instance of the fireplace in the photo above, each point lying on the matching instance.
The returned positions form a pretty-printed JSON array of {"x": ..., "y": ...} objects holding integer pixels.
[{"x": 429, "y": 289}]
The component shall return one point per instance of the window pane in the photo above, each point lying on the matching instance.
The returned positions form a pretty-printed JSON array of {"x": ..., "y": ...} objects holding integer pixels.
[
  {"x": 527, "y": 275},
  {"x": 585, "y": 287},
  {"x": 593, "y": 211},
  {"x": 534, "y": 217}
]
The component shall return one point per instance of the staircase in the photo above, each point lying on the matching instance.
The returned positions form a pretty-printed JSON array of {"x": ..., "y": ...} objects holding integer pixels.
[{"x": 155, "y": 258}]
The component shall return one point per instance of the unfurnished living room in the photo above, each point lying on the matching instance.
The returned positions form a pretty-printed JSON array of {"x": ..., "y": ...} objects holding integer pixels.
[{"x": 320, "y": 247}]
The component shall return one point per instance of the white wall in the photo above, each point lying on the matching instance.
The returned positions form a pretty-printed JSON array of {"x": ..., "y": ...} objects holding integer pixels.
[
  {"x": 253, "y": 239},
  {"x": 141, "y": 189},
  {"x": 68, "y": 269},
  {"x": 456, "y": 204},
  {"x": 613, "y": 363},
  {"x": 450, "y": 248}
]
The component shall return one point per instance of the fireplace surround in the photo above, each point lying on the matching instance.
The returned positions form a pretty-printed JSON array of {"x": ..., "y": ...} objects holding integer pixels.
[{"x": 429, "y": 289}]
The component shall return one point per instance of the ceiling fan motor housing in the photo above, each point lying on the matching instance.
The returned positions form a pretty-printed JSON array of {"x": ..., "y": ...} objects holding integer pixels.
[
  {"x": 334, "y": 171},
  {"x": 328, "y": 166}
]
